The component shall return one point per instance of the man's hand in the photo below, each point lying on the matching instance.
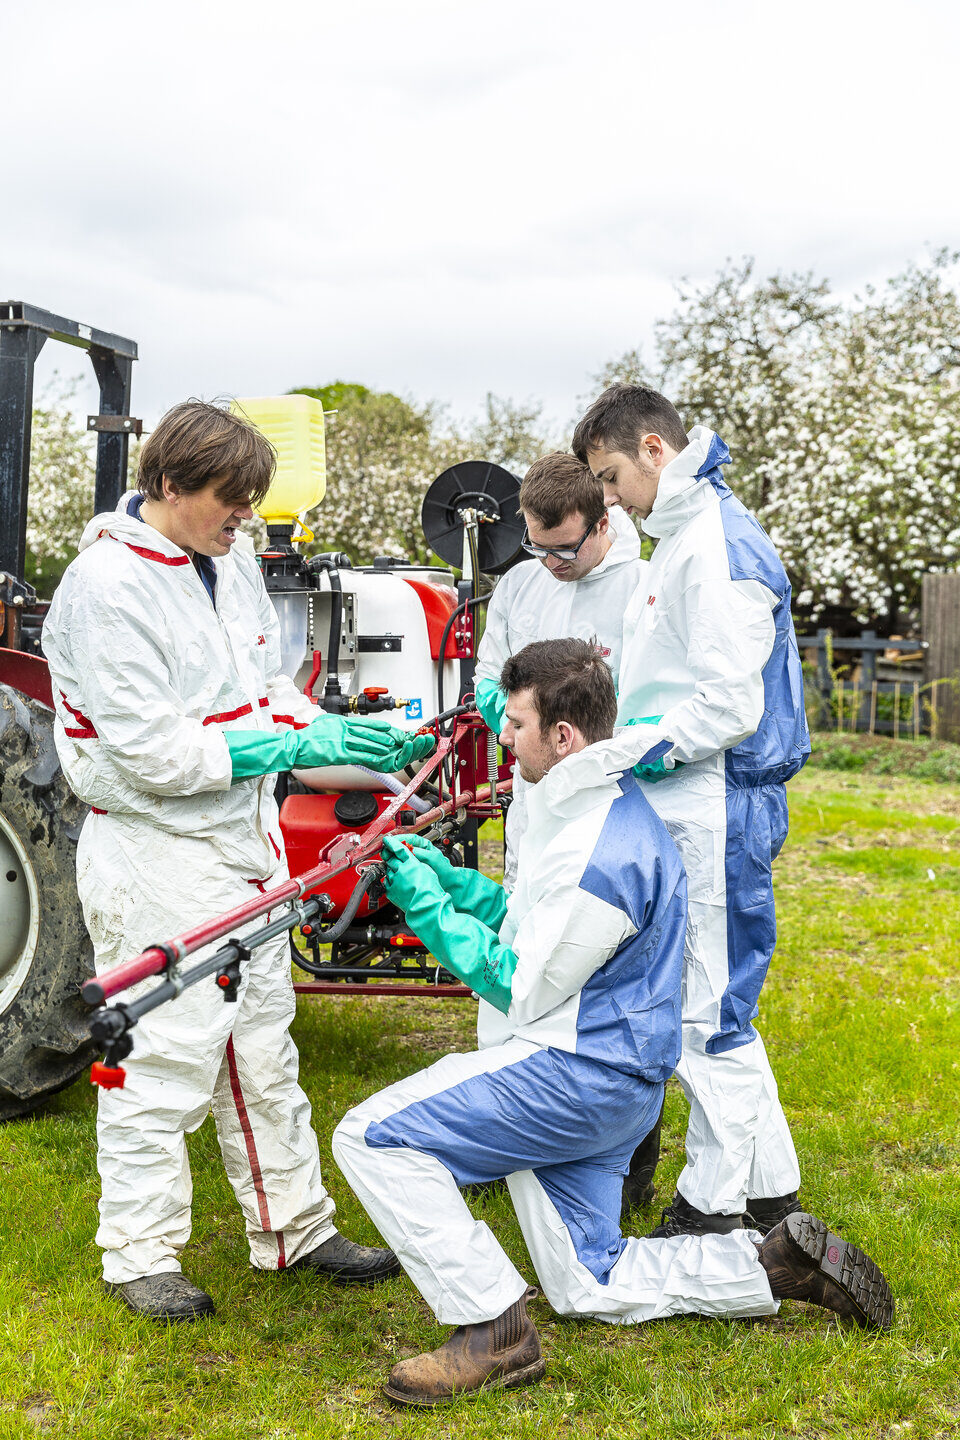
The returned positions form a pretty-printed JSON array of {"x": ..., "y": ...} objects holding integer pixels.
[
  {"x": 656, "y": 769},
  {"x": 462, "y": 943},
  {"x": 409, "y": 877},
  {"x": 373, "y": 743},
  {"x": 329, "y": 740}
]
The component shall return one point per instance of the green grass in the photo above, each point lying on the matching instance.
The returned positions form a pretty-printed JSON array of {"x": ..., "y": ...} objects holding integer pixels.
[
  {"x": 861, "y": 1016},
  {"x": 925, "y": 759}
]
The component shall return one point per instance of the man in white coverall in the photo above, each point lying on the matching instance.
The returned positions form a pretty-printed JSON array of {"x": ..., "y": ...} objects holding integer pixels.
[
  {"x": 578, "y": 973},
  {"x": 587, "y": 567},
  {"x": 172, "y": 717},
  {"x": 711, "y": 676},
  {"x": 586, "y": 570}
]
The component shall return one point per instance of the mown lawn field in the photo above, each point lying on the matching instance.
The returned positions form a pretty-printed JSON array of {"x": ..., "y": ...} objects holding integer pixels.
[{"x": 862, "y": 1021}]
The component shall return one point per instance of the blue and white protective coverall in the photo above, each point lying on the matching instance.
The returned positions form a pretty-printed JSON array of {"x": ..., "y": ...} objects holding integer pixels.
[
  {"x": 529, "y": 603},
  {"x": 709, "y": 646},
  {"x": 148, "y": 673},
  {"x": 563, "y": 1086}
]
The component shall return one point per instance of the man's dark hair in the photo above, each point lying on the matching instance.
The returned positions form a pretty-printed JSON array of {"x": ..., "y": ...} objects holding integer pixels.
[
  {"x": 558, "y": 485},
  {"x": 195, "y": 443},
  {"x": 570, "y": 681},
  {"x": 621, "y": 415}
]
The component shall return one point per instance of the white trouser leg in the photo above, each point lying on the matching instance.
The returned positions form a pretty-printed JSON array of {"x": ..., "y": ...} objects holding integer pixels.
[
  {"x": 717, "y": 1275},
  {"x": 263, "y": 1120},
  {"x": 455, "y": 1261},
  {"x": 179, "y": 1065},
  {"x": 737, "y": 1136}
]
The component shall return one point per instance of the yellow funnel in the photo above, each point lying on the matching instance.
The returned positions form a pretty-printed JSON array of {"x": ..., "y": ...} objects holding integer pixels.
[{"x": 294, "y": 426}]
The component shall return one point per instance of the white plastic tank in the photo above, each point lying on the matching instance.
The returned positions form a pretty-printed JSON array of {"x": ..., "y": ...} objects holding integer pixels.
[{"x": 391, "y": 644}]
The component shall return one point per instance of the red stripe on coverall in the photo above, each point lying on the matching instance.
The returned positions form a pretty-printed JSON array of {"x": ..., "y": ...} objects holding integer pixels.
[
  {"x": 85, "y": 730},
  {"x": 223, "y": 716},
  {"x": 255, "y": 1171},
  {"x": 152, "y": 554}
]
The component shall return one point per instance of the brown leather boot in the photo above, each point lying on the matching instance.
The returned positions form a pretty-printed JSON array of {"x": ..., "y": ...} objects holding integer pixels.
[
  {"x": 494, "y": 1355},
  {"x": 805, "y": 1261}
]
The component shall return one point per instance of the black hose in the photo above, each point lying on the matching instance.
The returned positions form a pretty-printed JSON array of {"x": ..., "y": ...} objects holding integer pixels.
[
  {"x": 330, "y": 565},
  {"x": 464, "y": 604},
  {"x": 326, "y": 937}
]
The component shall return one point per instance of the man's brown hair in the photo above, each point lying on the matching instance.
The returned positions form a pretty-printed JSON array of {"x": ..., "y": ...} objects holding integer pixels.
[
  {"x": 570, "y": 681},
  {"x": 195, "y": 443},
  {"x": 558, "y": 485},
  {"x": 621, "y": 415}
]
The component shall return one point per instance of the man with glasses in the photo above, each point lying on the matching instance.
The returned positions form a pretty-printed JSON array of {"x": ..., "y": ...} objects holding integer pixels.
[{"x": 585, "y": 568}]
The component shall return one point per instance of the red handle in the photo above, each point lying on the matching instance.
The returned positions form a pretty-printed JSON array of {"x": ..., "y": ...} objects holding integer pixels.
[{"x": 108, "y": 1077}]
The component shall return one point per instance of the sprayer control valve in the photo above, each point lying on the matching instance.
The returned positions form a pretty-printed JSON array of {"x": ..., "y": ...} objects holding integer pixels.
[{"x": 108, "y": 1077}]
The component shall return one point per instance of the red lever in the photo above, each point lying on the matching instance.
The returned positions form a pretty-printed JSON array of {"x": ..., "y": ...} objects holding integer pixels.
[
  {"x": 372, "y": 691},
  {"x": 108, "y": 1077}
]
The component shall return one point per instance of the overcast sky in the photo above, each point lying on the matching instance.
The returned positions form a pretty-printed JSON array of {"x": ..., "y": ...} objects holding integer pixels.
[{"x": 443, "y": 199}]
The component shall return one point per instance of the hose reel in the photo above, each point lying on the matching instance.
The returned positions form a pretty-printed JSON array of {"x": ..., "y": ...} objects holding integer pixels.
[{"x": 481, "y": 496}]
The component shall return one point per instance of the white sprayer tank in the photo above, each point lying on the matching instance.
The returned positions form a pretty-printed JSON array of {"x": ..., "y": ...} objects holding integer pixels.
[{"x": 393, "y": 618}]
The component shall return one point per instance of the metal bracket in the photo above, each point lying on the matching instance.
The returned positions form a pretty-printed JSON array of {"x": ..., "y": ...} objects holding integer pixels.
[
  {"x": 379, "y": 644},
  {"x": 115, "y": 424}
]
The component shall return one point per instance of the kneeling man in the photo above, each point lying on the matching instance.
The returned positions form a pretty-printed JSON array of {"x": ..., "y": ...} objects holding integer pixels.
[{"x": 578, "y": 974}]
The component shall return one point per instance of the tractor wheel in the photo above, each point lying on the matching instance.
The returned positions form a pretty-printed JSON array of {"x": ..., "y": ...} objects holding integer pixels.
[{"x": 45, "y": 952}]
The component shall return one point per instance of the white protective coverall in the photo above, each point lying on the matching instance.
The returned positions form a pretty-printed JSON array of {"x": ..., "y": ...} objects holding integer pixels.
[
  {"x": 529, "y": 604},
  {"x": 147, "y": 675},
  {"x": 709, "y": 646},
  {"x": 561, "y": 1090}
]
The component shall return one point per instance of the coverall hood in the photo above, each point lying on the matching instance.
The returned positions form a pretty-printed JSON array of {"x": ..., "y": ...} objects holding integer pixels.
[{"x": 686, "y": 482}]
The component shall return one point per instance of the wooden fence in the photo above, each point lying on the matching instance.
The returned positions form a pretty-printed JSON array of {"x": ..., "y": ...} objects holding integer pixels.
[
  {"x": 904, "y": 708},
  {"x": 941, "y": 634}
]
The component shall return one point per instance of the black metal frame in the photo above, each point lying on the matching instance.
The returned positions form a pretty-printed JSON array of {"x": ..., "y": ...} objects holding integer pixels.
[{"x": 24, "y": 329}]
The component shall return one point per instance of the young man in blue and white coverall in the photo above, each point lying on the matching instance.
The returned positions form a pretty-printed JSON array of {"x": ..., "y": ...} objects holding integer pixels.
[
  {"x": 711, "y": 676},
  {"x": 172, "y": 718},
  {"x": 578, "y": 973}
]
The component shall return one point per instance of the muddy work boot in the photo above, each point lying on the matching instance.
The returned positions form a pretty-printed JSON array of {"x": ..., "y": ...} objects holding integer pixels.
[
  {"x": 762, "y": 1215},
  {"x": 494, "y": 1355},
  {"x": 169, "y": 1299},
  {"x": 806, "y": 1261},
  {"x": 638, "y": 1188},
  {"x": 681, "y": 1218},
  {"x": 349, "y": 1264}
]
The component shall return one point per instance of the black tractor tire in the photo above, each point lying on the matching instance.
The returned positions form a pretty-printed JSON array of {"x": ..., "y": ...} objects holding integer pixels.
[{"x": 45, "y": 951}]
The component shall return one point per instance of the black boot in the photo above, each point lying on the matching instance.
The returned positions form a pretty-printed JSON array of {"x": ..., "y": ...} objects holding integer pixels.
[
  {"x": 169, "y": 1298},
  {"x": 762, "y": 1215},
  {"x": 805, "y": 1261},
  {"x": 680, "y": 1218},
  {"x": 349, "y": 1264},
  {"x": 638, "y": 1187}
]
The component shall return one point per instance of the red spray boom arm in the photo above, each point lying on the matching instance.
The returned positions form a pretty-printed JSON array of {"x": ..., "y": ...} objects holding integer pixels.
[{"x": 343, "y": 854}]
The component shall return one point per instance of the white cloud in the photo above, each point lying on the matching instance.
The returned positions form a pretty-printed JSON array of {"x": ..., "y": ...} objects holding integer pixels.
[{"x": 444, "y": 199}]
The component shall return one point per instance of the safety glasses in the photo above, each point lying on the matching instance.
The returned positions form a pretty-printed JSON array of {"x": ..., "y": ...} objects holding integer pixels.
[{"x": 563, "y": 552}]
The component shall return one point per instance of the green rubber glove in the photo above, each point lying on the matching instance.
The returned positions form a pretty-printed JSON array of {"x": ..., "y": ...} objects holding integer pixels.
[
  {"x": 656, "y": 770},
  {"x": 461, "y": 943},
  {"x": 472, "y": 893},
  {"x": 329, "y": 740},
  {"x": 491, "y": 702}
]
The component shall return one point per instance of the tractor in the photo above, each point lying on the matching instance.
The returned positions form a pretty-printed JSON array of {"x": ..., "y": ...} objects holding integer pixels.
[{"x": 362, "y": 640}]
